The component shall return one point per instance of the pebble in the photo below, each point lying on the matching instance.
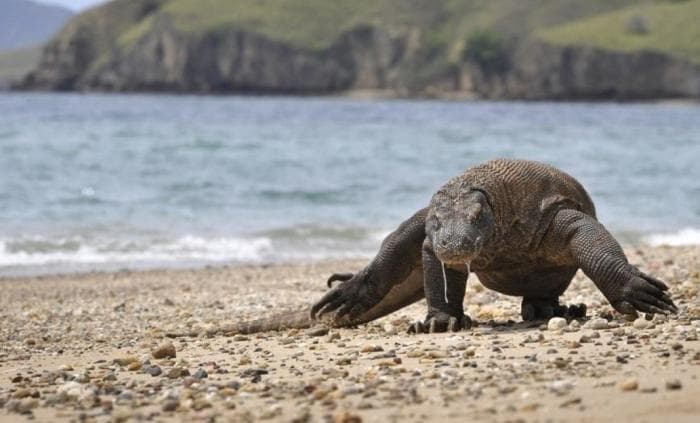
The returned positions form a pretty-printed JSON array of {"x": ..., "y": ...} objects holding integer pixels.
[
  {"x": 177, "y": 372},
  {"x": 200, "y": 374},
  {"x": 125, "y": 361},
  {"x": 153, "y": 370},
  {"x": 347, "y": 417},
  {"x": 673, "y": 384},
  {"x": 597, "y": 324},
  {"x": 630, "y": 385},
  {"x": 317, "y": 331},
  {"x": 641, "y": 323},
  {"x": 556, "y": 323},
  {"x": 170, "y": 405},
  {"x": 166, "y": 350},
  {"x": 23, "y": 406},
  {"x": 135, "y": 365},
  {"x": 371, "y": 348}
]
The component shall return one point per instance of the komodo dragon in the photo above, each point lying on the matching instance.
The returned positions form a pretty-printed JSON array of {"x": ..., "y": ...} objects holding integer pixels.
[{"x": 523, "y": 227}]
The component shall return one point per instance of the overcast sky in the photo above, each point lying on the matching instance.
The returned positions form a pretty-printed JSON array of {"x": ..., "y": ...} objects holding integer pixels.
[{"x": 73, "y": 4}]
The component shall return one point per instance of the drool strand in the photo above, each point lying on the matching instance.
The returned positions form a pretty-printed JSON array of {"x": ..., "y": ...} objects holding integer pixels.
[{"x": 444, "y": 279}]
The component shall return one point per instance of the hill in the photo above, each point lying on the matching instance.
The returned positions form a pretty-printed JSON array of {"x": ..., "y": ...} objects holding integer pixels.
[
  {"x": 24, "y": 23},
  {"x": 468, "y": 48}
]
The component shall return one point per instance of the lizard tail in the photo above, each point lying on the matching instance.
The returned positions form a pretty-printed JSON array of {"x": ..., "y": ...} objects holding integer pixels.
[{"x": 282, "y": 321}]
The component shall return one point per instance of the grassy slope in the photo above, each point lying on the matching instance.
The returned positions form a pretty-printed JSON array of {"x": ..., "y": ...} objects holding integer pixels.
[
  {"x": 315, "y": 24},
  {"x": 674, "y": 28},
  {"x": 14, "y": 64}
]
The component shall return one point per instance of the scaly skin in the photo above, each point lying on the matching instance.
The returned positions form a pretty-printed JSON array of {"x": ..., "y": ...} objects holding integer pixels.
[{"x": 523, "y": 227}]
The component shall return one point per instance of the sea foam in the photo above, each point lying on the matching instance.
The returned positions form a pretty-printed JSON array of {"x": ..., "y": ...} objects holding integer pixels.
[{"x": 685, "y": 236}]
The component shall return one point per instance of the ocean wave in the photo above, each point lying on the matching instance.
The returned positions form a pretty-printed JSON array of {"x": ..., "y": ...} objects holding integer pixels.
[
  {"x": 39, "y": 251},
  {"x": 685, "y": 236}
]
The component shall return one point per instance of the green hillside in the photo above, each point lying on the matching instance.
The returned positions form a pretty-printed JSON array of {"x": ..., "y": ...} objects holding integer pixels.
[
  {"x": 315, "y": 24},
  {"x": 672, "y": 27},
  {"x": 483, "y": 48}
]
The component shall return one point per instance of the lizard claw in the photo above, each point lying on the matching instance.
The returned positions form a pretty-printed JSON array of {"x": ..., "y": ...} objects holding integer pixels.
[
  {"x": 441, "y": 322},
  {"x": 342, "y": 277},
  {"x": 644, "y": 293},
  {"x": 351, "y": 298}
]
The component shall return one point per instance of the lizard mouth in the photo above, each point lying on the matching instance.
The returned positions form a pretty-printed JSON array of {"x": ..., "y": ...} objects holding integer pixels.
[{"x": 465, "y": 254}]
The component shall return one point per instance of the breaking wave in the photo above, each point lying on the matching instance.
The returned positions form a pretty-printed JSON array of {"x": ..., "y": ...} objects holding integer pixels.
[{"x": 685, "y": 236}]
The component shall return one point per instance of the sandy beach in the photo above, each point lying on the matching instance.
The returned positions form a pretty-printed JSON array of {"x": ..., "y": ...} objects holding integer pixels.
[{"x": 84, "y": 347}]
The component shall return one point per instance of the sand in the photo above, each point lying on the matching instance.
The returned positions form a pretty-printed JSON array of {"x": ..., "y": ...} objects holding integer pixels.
[{"x": 80, "y": 347}]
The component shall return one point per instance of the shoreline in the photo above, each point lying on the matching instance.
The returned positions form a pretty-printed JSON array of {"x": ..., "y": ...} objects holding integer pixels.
[
  {"x": 81, "y": 345},
  {"x": 369, "y": 95}
]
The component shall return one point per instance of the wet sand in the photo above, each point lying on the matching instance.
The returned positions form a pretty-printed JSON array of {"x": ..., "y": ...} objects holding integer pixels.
[{"x": 82, "y": 348}]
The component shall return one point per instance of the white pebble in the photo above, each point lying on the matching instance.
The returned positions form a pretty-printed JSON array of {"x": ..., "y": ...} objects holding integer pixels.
[
  {"x": 597, "y": 324},
  {"x": 641, "y": 323},
  {"x": 556, "y": 323}
]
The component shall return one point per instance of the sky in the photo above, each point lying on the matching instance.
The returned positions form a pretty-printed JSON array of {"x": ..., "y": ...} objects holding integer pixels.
[{"x": 73, "y": 4}]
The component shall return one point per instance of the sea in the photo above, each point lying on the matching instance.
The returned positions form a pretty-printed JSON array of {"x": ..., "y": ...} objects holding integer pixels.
[{"x": 113, "y": 182}]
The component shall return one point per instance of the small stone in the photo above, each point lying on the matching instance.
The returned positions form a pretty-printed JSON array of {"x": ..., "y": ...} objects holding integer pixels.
[
  {"x": 390, "y": 329},
  {"x": 177, "y": 372},
  {"x": 597, "y": 324},
  {"x": 673, "y": 384},
  {"x": 317, "y": 331},
  {"x": 201, "y": 404},
  {"x": 347, "y": 417},
  {"x": 23, "y": 406},
  {"x": 240, "y": 337},
  {"x": 371, "y": 348},
  {"x": 574, "y": 326},
  {"x": 641, "y": 323},
  {"x": 200, "y": 374},
  {"x": 170, "y": 405},
  {"x": 135, "y": 365},
  {"x": 125, "y": 361},
  {"x": 153, "y": 371},
  {"x": 166, "y": 350},
  {"x": 556, "y": 323},
  {"x": 630, "y": 385}
]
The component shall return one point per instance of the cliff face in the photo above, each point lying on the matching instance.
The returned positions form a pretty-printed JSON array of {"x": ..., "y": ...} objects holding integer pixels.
[
  {"x": 364, "y": 57},
  {"x": 540, "y": 71}
]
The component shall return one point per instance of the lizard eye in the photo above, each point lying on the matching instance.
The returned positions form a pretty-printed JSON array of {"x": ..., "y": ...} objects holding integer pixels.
[{"x": 473, "y": 211}]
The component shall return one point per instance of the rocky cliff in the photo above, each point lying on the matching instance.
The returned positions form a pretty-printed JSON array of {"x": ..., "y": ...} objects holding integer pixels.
[{"x": 93, "y": 53}]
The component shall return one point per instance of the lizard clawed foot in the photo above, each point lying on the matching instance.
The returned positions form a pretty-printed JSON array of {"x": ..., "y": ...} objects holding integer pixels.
[
  {"x": 441, "y": 322},
  {"x": 355, "y": 295},
  {"x": 644, "y": 293}
]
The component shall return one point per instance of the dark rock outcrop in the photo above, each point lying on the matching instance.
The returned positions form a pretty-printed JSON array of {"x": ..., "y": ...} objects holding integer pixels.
[{"x": 541, "y": 71}]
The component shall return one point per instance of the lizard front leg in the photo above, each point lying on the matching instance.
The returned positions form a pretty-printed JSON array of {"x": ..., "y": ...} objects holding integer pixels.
[
  {"x": 390, "y": 281},
  {"x": 601, "y": 258},
  {"x": 444, "y": 293}
]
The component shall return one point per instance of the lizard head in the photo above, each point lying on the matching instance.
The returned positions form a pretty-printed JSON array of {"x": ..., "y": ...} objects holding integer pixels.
[{"x": 459, "y": 224}]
